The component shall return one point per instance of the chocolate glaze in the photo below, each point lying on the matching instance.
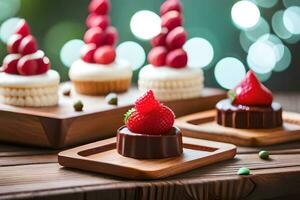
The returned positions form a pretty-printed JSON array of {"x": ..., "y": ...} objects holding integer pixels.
[
  {"x": 142, "y": 146},
  {"x": 248, "y": 117}
]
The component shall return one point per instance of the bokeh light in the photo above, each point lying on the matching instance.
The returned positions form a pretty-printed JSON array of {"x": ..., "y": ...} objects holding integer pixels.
[
  {"x": 291, "y": 19},
  {"x": 284, "y": 62},
  {"x": 264, "y": 77},
  {"x": 261, "y": 28},
  {"x": 288, "y": 3},
  {"x": 133, "y": 53},
  {"x": 265, "y": 3},
  {"x": 245, "y": 14},
  {"x": 278, "y": 26},
  {"x": 70, "y": 52},
  {"x": 8, "y": 28},
  {"x": 257, "y": 59},
  {"x": 9, "y": 8},
  {"x": 200, "y": 52},
  {"x": 229, "y": 72},
  {"x": 145, "y": 24},
  {"x": 273, "y": 41},
  {"x": 245, "y": 41}
]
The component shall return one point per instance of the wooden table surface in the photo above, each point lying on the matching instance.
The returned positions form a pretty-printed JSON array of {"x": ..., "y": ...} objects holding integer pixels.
[{"x": 35, "y": 174}]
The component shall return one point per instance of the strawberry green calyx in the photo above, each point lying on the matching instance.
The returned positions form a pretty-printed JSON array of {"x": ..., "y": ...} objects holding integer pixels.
[
  {"x": 128, "y": 114},
  {"x": 231, "y": 95}
]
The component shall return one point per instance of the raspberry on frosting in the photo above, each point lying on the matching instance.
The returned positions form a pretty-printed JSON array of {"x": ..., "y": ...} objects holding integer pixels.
[
  {"x": 101, "y": 37},
  {"x": 149, "y": 116},
  {"x": 167, "y": 45},
  {"x": 24, "y": 57}
]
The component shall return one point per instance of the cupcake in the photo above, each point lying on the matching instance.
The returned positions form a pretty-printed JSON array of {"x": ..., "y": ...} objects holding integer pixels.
[
  {"x": 250, "y": 106},
  {"x": 98, "y": 72},
  {"x": 25, "y": 77},
  {"x": 168, "y": 74},
  {"x": 149, "y": 131}
]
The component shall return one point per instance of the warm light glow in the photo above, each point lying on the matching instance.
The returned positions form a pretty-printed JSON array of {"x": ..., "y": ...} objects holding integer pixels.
[
  {"x": 245, "y": 14},
  {"x": 145, "y": 24},
  {"x": 70, "y": 52},
  {"x": 229, "y": 72},
  {"x": 133, "y": 53},
  {"x": 200, "y": 52}
]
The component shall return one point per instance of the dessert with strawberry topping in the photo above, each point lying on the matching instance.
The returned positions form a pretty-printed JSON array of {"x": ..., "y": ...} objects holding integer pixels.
[
  {"x": 168, "y": 73},
  {"x": 98, "y": 71},
  {"x": 250, "y": 106},
  {"x": 149, "y": 131},
  {"x": 26, "y": 78}
]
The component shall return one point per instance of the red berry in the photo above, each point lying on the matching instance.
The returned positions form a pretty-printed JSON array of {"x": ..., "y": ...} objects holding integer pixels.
[
  {"x": 171, "y": 20},
  {"x": 177, "y": 58},
  {"x": 23, "y": 28},
  {"x": 251, "y": 92},
  {"x": 28, "y": 45},
  {"x": 10, "y": 63},
  {"x": 169, "y": 6},
  {"x": 111, "y": 36},
  {"x": 28, "y": 66},
  {"x": 157, "y": 56},
  {"x": 105, "y": 55},
  {"x": 87, "y": 52},
  {"x": 176, "y": 38},
  {"x": 146, "y": 103},
  {"x": 94, "y": 35},
  {"x": 13, "y": 43},
  {"x": 100, "y": 7},
  {"x": 160, "y": 39},
  {"x": 43, "y": 65},
  {"x": 158, "y": 122},
  {"x": 101, "y": 21}
]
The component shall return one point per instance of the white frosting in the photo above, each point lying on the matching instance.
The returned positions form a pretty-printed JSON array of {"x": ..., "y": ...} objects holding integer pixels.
[
  {"x": 149, "y": 72},
  {"x": 83, "y": 71},
  {"x": 12, "y": 80}
]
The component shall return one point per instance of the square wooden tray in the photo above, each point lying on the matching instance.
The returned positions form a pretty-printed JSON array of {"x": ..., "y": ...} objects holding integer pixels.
[
  {"x": 61, "y": 126},
  {"x": 102, "y": 157},
  {"x": 203, "y": 125}
]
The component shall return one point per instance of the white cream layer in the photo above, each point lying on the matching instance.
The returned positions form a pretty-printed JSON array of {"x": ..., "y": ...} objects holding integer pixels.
[
  {"x": 149, "y": 72},
  {"x": 11, "y": 80},
  {"x": 83, "y": 71}
]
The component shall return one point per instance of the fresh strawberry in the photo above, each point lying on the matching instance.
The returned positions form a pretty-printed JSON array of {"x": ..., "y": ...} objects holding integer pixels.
[
  {"x": 176, "y": 38},
  {"x": 171, "y": 20},
  {"x": 22, "y": 28},
  {"x": 177, "y": 58},
  {"x": 28, "y": 45},
  {"x": 157, "y": 56},
  {"x": 170, "y": 5},
  {"x": 157, "y": 122},
  {"x": 251, "y": 92},
  {"x": 101, "y": 21},
  {"x": 100, "y": 7},
  {"x": 105, "y": 55},
  {"x": 146, "y": 103},
  {"x": 13, "y": 43},
  {"x": 87, "y": 52},
  {"x": 111, "y": 36},
  {"x": 10, "y": 63},
  {"x": 160, "y": 39},
  {"x": 94, "y": 35}
]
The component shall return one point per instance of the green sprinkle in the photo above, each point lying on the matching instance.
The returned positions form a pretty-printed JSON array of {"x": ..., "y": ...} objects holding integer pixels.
[
  {"x": 112, "y": 99},
  {"x": 231, "y": 94},
  {"x": 78, "y": 106},
  {"x": 128, "y": 114},
  {"x": 243, "y": 171},
  {"x": 264, "y": 155}
]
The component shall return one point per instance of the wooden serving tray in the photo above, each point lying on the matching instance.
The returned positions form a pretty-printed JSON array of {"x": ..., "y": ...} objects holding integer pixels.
[
  {"x": 61, "y": 126},
  {"x": 102, "y": 157},
  {"x": 203, "y": 125}
]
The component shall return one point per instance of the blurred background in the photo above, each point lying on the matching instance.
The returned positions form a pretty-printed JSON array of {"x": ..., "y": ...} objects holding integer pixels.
[{"x": 226, "y": 37}]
